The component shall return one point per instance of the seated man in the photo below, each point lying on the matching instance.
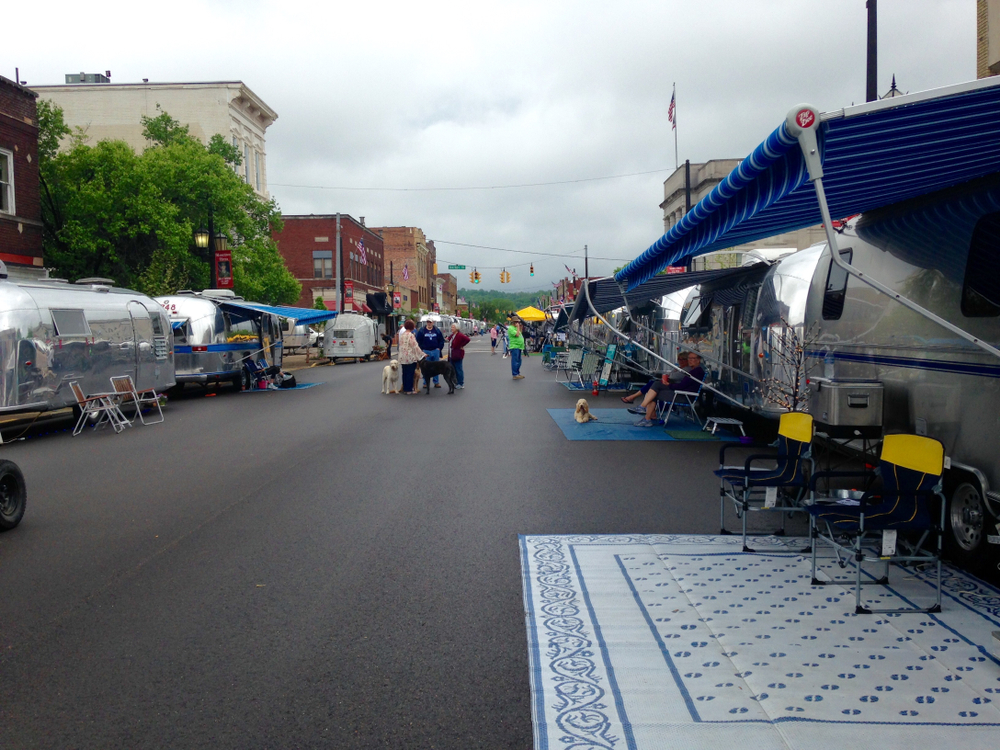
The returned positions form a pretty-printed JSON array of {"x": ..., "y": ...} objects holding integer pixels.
[
  {"x": 691, "y": 382},
  {"x": 673, "y": 376}
]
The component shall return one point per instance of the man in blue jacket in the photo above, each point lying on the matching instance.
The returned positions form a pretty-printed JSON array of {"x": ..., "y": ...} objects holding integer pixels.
[{"x": 431, "y": 342}]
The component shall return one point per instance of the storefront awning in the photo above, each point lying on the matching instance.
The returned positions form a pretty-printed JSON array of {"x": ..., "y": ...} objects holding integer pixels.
[
  {"x": 605, "y": 294},
  {"x": 379, "y": 303},
  {"x": 302, "y": 315},
  {"x": 873, "y": 155}
]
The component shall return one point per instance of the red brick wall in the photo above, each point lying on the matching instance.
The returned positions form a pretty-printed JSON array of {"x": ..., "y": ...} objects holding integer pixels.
[
  {"x": 296, "y": 243},
  {"x": 21, "y": 234}
]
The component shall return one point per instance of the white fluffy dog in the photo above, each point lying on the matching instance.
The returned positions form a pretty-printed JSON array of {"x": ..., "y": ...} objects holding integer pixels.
[
  {"x": 583, "y": 414},
  {"x": 392, "y": 377}
]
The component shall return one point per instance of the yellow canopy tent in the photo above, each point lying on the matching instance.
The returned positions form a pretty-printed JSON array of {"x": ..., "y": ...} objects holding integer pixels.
[{"x": 531, "y": 314}]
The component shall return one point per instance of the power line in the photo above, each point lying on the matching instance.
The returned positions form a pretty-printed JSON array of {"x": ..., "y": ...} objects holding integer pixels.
[
  {"x": 578, "y": 256},
  {"x": 471, "y": 187}
]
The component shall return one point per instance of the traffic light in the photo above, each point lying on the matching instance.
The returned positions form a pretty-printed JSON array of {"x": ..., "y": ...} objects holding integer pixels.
[
  {"x": 501, "y": 277},
  {"x": 472, "y": 277},
  {"x": 476, "y": 273},
  {"x": 507, "y": 275},
  {"x": 532, "y": 269}
]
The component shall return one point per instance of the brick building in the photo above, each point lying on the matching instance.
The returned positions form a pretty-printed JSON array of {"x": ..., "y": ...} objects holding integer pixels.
[
  {"x": 406, "y": 248},
  {"x": 308, "y": 244},
  {"x": 20, "y": 202},
  {"x": 448, "y": 292}
]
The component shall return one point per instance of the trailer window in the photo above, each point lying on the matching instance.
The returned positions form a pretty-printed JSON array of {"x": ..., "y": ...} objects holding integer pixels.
[
  {"x": 980, "y": 292},
  {"x": 70, "y": 323},
  {"x": 836, "y": 287}
]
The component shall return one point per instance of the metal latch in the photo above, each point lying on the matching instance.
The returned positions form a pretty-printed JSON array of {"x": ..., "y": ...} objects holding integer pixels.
[{"x": 857, "y": 400}]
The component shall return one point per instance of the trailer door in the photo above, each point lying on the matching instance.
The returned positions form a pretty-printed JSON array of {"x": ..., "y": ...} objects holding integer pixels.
[{"x": 145, "y": 356}]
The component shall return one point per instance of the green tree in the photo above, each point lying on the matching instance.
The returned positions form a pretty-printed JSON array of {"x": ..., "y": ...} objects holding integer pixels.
[{"x": 131, "y": 217}]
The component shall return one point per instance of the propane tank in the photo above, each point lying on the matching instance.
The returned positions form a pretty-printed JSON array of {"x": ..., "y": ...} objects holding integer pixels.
[{"x": 596, "y": 390}]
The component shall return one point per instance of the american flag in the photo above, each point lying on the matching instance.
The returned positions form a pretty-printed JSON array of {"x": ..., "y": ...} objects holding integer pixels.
[
  {"x": 570, "y": 270},
  {"x": 406, "y": 272},
  {"x": 671, "y": 112},
  {"x": 361, "y": 250}
]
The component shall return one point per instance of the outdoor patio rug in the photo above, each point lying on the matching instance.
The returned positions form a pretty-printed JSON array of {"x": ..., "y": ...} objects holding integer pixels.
[
  {"x": 657, "y": 641},
  {"x": 615, "y": 387},
  {"x": 619, "y": 424},
  {"x": 298, "y": 387}
]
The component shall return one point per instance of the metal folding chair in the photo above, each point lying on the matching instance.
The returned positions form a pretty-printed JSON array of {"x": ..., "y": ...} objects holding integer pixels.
[
  {"x": 680, "y": 400},
  {"x": 907, "y": 513},
  {"x": 125, "y": 392},
  {"x": 779, "y": 489},
  {"x": 100, "y": 405}
]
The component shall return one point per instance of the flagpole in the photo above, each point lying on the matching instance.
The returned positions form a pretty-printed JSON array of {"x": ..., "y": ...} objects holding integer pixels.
[{"x": 674, "y": 100}]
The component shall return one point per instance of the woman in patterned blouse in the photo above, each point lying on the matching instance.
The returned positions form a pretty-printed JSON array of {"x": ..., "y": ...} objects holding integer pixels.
[{"x": 409, "y": 355}]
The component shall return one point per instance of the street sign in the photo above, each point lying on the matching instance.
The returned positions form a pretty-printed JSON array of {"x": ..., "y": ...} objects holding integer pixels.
[{"x": 460, "y": 268}]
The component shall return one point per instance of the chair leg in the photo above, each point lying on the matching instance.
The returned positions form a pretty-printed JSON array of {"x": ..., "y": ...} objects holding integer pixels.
[{"x": 858, "y": 556}]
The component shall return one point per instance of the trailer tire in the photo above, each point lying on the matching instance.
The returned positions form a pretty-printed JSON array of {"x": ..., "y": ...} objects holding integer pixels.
[
  {"x": 965, "y": 525},
  {"x": 13, "y": 495},
  {"x": 246, "y": 381}
]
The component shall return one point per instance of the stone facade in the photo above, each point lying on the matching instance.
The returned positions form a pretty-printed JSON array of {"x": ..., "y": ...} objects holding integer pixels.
[
  {"x": 987, "y": 38},
  {"x": 20, "y": 200},
  {"x": 308, "y": 245},
  {"x": 704, "y": 177},
  {"x": 112, "y": 111}
]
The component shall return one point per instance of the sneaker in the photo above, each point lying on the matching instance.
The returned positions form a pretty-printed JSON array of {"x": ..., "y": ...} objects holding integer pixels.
[
  {"x": 437, "y": 385},
  {"x": 519, "y": 377},
  {"x": 636, "y": 410},
  {"x": 459, "y": 387},
  {"x": 645, "y": 423}
]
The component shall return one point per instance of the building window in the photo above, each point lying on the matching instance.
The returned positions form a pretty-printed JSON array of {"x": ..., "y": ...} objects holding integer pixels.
[
  {"x": 6, "y": 182},
  {"x": 322, "y": 264},
  {"x": 236, "y": 145},
  {"x": 256, "y": 161},
  {"x": 246, "y": 162}
]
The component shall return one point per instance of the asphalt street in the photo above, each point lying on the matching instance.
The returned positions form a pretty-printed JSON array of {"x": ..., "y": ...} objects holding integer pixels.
[{"x": 328, "y": 567}]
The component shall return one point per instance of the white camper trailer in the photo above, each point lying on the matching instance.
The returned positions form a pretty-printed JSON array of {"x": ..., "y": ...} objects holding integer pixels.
[{"x": 350, "y": 336}]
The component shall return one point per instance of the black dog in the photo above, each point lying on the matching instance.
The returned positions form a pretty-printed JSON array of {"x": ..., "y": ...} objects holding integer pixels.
[{"x": 443, "y": 368}]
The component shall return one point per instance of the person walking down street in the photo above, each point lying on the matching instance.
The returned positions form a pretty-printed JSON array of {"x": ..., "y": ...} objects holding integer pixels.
[
  {"x": 409, "y": 355},
  {"x": 456, "y": 354},
  {"x": 431, "y": 342},
  {"x": 388, "y": 345},
  {"x": 516, "y": 339},
  {"x": 493, "y": 340}
]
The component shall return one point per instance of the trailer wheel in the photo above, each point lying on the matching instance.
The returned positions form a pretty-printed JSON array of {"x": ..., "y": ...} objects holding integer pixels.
[
  {"x": 246, "y": 382},
  {"x": 13, "y": 495},
  {"x": 964, "y": 523}
]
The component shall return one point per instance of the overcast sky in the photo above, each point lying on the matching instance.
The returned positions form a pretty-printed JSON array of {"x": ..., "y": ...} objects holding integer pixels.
[{"x": 418, "y": 95}]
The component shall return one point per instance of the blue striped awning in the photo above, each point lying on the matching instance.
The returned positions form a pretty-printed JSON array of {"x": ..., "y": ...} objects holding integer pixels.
[
  {"x": 301, "y": 315},
  {"x": 874, "y": 155}
]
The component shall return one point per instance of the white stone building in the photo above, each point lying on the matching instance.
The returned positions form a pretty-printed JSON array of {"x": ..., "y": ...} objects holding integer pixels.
[{"x": 106, "y": 111}]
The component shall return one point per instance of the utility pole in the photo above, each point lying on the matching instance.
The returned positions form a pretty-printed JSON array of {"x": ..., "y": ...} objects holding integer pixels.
[
  {"x": 871, "y": 92},
  {"x": 337, "y": 253}
]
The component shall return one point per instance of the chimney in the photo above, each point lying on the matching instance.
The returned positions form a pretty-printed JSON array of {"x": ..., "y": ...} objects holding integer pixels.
[{"x": 362, "y": 218}]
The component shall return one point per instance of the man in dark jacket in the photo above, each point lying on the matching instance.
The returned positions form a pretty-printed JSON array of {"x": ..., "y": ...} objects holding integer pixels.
[
  {"x": 431, "y": 342},
  {"x": 690, "y": 383}
]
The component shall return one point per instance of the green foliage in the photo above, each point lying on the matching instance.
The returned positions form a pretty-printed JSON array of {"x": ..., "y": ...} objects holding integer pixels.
[
  {"x": 230, "y": 153},
  {"x": 318, "y": 304},
  {"x": 495, "y": 306},
  {"x": 52, "y": 129},
  {"x": 131, "y": 217}
]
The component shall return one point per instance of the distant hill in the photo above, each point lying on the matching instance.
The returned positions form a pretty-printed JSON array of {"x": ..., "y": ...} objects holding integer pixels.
[{"x": 495, "y": 305}]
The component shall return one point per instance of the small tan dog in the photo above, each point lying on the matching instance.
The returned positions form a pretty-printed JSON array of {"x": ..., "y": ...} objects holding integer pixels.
[
  {"x": 392, "y": 378},
  {"x": 583, "y": 414}
]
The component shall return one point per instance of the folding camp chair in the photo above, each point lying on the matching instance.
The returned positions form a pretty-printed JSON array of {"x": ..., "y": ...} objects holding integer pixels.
[
  {"x": 99, "y": 405},
  {"x": 254, "y": 372},
  {"x": 126, "y": 393},
  {"x": 907, "y": 511},
  {"x": 570, "y": 364},
  {"x": 680, "y": 400},
  {"x": 780, "y": 489},
  {"x": 588, "y": 369}
]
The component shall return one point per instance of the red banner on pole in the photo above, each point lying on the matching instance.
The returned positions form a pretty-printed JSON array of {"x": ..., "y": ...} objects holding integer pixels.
[
  {"x": 348, "y": 295},
  {"x": 224, "y": 269},
  {"x": 397, "y": 300}
]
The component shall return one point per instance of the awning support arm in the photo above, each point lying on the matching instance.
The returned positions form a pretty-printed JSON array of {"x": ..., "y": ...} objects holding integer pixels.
[
  {"x": 586, "y": 292},
  {"x": 802, "y": 123}
]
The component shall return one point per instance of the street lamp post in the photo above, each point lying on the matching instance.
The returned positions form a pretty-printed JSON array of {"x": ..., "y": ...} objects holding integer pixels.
[{"x": 201, "y": 241}]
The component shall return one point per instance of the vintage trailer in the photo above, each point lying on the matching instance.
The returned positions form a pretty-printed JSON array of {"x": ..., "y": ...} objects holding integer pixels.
[
  {"x": 350, "y": 336},
  {"x": 213, "y": 337},
  {"x": 53, "y": 333},
  {"x": 294, "y": 336}
]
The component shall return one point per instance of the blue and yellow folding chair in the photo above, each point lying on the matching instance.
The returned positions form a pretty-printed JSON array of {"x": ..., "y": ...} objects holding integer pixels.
[
  {"x": 778, "y": 489},
  {"x": 910, "y": 508}
]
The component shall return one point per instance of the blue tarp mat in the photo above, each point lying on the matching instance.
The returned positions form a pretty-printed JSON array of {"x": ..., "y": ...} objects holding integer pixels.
[
  {"x": 299, "y": 387},
  {"x": 619, "y": 424}
]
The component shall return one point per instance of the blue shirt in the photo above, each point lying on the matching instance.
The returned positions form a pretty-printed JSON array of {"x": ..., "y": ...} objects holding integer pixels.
[{"x": 430, "y": 340}]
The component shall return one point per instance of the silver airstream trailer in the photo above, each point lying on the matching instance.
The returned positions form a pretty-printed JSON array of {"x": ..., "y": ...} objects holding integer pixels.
[
  {"x": 213, "y": 337},
  {"x": 53, "y": 333},
  {"x": 350, "y": 336}
]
